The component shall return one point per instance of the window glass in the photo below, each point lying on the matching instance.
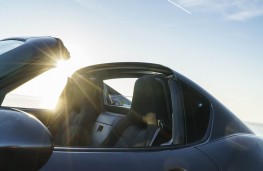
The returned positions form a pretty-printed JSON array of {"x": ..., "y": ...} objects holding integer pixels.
[
  {"x": 197, "y": 113},
  {"x": 119, "y": 91},
  {"x": 41, "y": 92},
  {"x": 8, "y": 45}
]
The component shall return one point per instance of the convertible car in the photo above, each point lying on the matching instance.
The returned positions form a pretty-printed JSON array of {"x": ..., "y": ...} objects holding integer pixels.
[{"x": 166, "y": 123}]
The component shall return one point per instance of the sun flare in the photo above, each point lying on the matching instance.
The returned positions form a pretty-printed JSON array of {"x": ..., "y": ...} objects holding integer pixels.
[
  {"x": 58, "y": 76},
  {"x": 42, "y": 91}
]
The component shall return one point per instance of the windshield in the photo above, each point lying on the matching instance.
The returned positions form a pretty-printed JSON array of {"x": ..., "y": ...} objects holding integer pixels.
[
  {"x": 42, "y": 92},
  {"x": 8, "y": 45}
]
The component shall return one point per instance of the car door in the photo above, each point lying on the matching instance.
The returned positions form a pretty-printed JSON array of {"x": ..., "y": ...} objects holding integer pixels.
[
  {"x": 167, "y": 159},
  {"x": 179, "y": 157}
]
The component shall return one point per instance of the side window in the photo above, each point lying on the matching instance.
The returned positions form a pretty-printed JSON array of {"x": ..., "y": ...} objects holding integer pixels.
[
  {"x": 119, "y": 91},
  {"x": 197, "y": 114}
]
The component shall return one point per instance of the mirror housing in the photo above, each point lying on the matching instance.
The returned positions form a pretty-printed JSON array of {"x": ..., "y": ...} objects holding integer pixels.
[{"x": 25, "y": 143}]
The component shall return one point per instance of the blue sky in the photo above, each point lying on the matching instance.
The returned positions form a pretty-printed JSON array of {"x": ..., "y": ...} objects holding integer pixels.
[{"x": 217, "y": 43}]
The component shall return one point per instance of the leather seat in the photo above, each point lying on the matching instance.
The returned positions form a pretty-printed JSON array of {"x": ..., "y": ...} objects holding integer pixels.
[
  {"x": 150, "y": 96},
  {"x": 80, "y": 112}
]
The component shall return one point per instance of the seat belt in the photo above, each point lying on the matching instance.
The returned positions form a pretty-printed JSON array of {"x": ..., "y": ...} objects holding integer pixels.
[{"x": 152, "y": 131}]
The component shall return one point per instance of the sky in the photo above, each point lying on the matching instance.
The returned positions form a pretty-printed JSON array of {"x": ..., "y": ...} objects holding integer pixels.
[{"x": 216, "y": 43}]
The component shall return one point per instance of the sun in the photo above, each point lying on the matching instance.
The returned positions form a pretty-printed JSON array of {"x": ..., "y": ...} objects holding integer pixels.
[
  {"x": 41, "y": 92},
  {"x": 58, "y": 76}
]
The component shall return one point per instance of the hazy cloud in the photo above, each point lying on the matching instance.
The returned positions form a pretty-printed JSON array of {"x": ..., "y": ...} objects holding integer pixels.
[{"x": 240, "y": 10}]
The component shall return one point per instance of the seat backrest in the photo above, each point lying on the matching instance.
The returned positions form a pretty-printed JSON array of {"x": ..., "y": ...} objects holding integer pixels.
[
  {"x": 149, "y": 97},
  {"x": 75, "y": 123}
]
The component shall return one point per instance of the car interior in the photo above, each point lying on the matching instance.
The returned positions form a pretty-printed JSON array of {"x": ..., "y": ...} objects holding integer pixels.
[
  {"x": 86, "y": 115},
  {"x": 93, "y": 113}
]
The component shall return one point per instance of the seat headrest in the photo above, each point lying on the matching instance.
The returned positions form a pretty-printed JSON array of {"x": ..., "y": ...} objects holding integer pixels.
[
  {"x": 85, "y": 91},
  {"x": 79, "y": 91},
  {"x": 149, "y": 97}
]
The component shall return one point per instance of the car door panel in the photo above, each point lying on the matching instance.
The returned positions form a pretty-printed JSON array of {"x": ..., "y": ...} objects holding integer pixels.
[{"x": 115, "y": 159}]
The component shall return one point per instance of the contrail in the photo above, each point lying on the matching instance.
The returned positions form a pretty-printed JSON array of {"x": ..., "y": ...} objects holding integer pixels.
[{"x": 179, "y": 6}]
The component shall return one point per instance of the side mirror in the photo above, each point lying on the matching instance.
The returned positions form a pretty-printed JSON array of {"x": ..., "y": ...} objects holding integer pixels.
[{"x": 25, "y": 143}]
